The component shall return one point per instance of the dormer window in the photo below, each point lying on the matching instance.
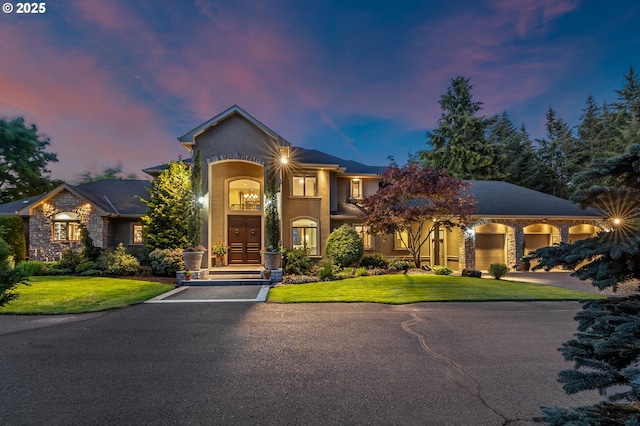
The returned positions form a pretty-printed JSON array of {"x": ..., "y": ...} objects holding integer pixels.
[{"x": 66, "y": 226}]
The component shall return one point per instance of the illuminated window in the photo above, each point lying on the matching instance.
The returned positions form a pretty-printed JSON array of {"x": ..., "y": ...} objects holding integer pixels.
[
  {"x": 66, "y": 227},
  {"x": 304, "y": 185},
  {"x": 356, "y": 188},
  {"x": 137, "y": 235},
  {"x": 402, "y": 238},
  {"x": 244, "y": 194},
  {"x": 363, "y": 231},
  {"x": 305, "y": 235}
]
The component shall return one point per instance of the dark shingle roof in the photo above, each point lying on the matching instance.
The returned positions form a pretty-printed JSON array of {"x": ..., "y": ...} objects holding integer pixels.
[
  {"x": 117, "y": 196},
  {"x": 311, "y": 156},
  {"x": 10, "y": 209},
  {"x": 496, "y": 198}
]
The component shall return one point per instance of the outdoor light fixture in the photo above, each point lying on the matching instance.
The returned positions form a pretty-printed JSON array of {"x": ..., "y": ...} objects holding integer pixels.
[
  {"x": 617, "y": 221},
  {"x": 201, "y": 200},
  {"x": 284, "y": 160}
]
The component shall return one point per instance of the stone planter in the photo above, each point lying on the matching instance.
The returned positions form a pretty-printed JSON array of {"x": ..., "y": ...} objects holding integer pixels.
[
  {"x": 218, "y": 260},
  {"x": 192, "y": 260},
  {"x": 272, "y": 259}
]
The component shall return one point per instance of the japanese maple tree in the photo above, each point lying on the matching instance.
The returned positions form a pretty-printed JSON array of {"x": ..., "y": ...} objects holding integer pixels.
[{"x": 414, "y": 201}]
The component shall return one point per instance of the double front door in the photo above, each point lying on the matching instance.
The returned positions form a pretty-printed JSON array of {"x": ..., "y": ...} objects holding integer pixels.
[{"x": 245, "y": 236}]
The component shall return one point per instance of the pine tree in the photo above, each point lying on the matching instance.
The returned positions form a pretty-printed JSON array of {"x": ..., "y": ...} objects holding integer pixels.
[
  {"x": 521, "y": 166},
  {"x": 554, "y": 152},
  {"x": 167, "y": 220},
  {"x": 458, "y": 143},
  {"x": 606, "y": 350}
]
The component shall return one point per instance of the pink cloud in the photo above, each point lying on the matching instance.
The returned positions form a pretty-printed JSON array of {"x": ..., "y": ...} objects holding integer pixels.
[{"x": 92, "y": 122}]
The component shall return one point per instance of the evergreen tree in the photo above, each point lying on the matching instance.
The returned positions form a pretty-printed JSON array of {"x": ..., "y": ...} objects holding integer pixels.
[
  {"x": 554, "y": 152},
  {"x": 195, "y": 215},
  {"x": 9, "y": 276},
  {"x": 628, "y": 104},
  {"x": 167, "y": 220},
  {"x": 458, "y": 143},
  {"x": 606, "y": 350},
  {"x": 521, "y": 166}
]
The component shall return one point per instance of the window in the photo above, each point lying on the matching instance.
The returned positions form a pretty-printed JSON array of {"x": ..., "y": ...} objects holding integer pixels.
[
  {"x": 244, "y": 194},
  {"x": 304, "y": 185},
  {"x": 356, "y": 188},
  {"x": 363, "y": 231},
  {"x": 402, "y": 238},
  {"x": 305, "y": 235},
  {"x": 136, "y": 234},
  {"x": 66, "y": 227}
]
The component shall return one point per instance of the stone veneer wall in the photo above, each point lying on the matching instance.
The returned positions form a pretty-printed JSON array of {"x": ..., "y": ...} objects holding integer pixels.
[
  {"x": 41, "y": 244},
  {"x": 515, "y": 237}
]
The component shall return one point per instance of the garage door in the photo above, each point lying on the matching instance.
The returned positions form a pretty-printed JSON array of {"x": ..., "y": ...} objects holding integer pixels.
[{"x": 489, "y": 249}]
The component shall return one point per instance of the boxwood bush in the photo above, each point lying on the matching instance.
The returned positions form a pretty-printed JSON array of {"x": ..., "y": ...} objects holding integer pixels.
[{"x": 344, "y": 246}]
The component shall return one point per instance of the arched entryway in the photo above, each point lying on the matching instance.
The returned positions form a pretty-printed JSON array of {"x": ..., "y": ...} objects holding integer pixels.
[
  {"x": 491, "y": 241},
  {"x": 582, "y": 232}
]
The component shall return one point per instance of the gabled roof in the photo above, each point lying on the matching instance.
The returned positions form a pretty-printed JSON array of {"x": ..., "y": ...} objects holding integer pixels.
[
  {"x": 12, "y": 208},
  {"x": 189, "y": 138},
  {"x": 117, "y": 196},
  {"x": 499, "y": 199},
  {"x": 110, "y": 197},
  {"x": 349, "y": 167}
]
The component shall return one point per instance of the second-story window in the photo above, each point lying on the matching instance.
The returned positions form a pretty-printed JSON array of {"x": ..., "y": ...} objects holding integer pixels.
[
  {"x": 356, "y": 188},
  {"x": 305, "y": 185}
]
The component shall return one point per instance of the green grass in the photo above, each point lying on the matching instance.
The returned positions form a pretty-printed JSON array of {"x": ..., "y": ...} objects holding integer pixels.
[
  {"x": 74, "y": 295},
  {"x": 401, "y": 289}
]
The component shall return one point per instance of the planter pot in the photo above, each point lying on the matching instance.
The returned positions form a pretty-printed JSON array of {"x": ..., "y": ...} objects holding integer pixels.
[
  {"x": 272, "y": 259},
  {"x": 266, "y": 274},
  {"x": 192, "y": 260},
  {"x": 525, "y": 266},
  {"x": 218, "y": 261}
]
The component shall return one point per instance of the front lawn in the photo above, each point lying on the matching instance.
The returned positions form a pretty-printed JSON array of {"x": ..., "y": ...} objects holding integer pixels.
[
  {"x": 401, "y": 289},
  {"x": 74, "y": 295}
]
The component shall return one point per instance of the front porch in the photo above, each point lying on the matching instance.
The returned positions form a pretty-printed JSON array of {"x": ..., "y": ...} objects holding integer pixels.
[{"x": 230, "y": 275}]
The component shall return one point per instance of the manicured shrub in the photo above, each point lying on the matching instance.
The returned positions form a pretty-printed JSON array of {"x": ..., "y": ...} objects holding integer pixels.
[
  {"x": 344, "y": 246},
  {"x": 71, "y": 259},
  {"x": 399, "y": 265},
  {"x": 297, "y": 262},
  {"x": 374, "y": 260},
  {"x": 299, "y": 279},
  {"x": 12, "y": 232},
  {"x": 327, "y": 271},
  {"x": 91, "y": 273},
  {"x": 442, "y": 270},
  {"x": 166, "y": 262},
  {"x": 32, "y": 267},
  {"x": 498, "y": 270},
  {"x": 84, "y": 266},
  {"x": 9, "y": 277},
  {"x": 119, "y": 262}
]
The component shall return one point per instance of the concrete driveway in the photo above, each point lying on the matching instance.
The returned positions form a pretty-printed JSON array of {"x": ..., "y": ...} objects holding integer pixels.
[{"x": 271, "y": 364}]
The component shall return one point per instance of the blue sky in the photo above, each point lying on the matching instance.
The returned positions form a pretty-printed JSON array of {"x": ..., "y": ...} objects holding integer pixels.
[{"x": 116, "y": 82}]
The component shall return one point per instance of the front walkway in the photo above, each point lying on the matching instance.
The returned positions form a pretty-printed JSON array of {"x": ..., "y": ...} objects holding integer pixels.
[{"x": 214, "y": 294}]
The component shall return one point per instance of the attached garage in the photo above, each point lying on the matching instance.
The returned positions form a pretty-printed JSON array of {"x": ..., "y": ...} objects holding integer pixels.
[{"x": 490, "y": 245}]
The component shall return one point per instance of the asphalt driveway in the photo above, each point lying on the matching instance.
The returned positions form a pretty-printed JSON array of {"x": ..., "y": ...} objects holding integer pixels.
[{"x": 271, "y": 364}]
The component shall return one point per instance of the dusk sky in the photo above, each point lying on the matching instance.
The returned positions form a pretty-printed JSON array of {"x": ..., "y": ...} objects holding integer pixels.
[{"x": 115, "y": 82}]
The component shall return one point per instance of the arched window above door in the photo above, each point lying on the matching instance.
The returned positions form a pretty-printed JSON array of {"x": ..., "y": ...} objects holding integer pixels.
[{"x": 245, "y": 194}]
